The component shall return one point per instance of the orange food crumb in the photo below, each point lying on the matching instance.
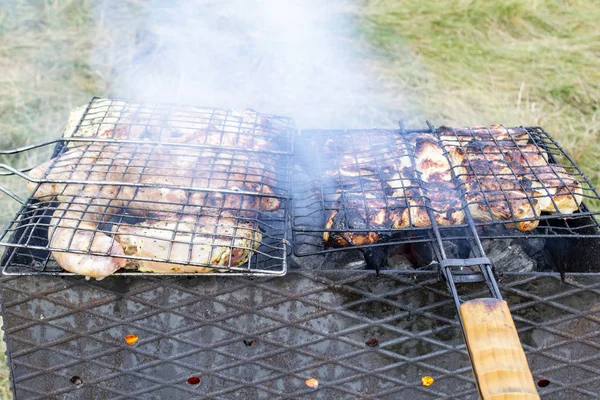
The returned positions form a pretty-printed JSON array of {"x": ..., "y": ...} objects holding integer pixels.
[
  {"x": 312, "y": 383},
  {"x": 131, "y": 339},
  {"x": 427, "y": 380}
]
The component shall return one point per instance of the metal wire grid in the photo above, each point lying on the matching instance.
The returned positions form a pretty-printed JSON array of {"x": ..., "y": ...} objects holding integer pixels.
[
  {"x": 189, "y": 126},
  {"x": 360, "y": 335},
  {"x": 321, "y": 192},
  {"x": 226, "y": 200},
  {"x": 219, "y": 238},
  {"x": 503, "y": 166},
  {"x": 364, "y": 179}
]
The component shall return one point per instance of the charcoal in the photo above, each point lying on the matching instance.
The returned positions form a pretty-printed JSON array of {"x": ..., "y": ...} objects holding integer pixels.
[
  {"x": 351, "y": 259},
  {"x": 509, "y": 255},
  {"x": 347, "y": 259}
]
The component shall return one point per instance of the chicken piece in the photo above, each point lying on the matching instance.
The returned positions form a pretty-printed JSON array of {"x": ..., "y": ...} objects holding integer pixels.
[
  {"x": 371, "y": 176},
  {"x": 242, "y": 129},
  {"x": 497, "y": 200},
  {"x": 436, "y": 174},
  {"x": 555, "y": 189},
  {"x": 495, "y": 135},
  {"x": 527, "y": 157},
  {"x": 493, "y": 189},
  {"x": 208, "y": 242},
  {"x": 73, "y": 234},
  {"x": 359, "y": 213},
  {"x": 82, "y": 164},
  {"x": 372, "y": 155},
  {"x": 145, "y": 165}
]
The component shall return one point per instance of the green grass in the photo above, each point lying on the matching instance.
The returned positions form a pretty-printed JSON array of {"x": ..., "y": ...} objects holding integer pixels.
[{"x": 455, "y": 62}]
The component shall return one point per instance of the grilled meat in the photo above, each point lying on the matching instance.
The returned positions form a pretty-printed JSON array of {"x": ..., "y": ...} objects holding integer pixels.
[
  {"x": 356, "y": 212},
  {"x": 157, "y": 182},
  {"x": 493, "y": 191},
  {"x": 242, "y": 129},
  {"x": 371, "y": 188},
  {"x": 503, "y": 174},
  {"x": 435, "y": 171},
  {"x": 149, "y": 165},
  {"x": 74, "y": 230},
  {"x": 213, "y": 241},
  {"x": 505, "y": 177},
  {"x": 556, "y": 190},
  {"x": 495, "y": 135}
]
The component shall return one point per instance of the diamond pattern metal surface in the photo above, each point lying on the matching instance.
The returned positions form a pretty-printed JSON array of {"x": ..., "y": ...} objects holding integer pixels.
[{"x": 361, "y": 335}]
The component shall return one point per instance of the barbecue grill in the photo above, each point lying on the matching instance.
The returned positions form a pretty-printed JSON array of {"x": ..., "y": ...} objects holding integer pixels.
[{"x": 365, "y": 321}]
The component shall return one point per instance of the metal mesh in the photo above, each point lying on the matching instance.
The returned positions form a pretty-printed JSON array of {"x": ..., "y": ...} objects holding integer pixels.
[
  {"x": 360, "y": 335},
  {"x": 180, "y": 189},
  {"x": 382, "y": 187},
  {"x": 517, "y": 175}
]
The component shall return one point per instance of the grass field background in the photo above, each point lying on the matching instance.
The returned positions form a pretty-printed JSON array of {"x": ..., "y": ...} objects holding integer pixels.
[{"x": 460, "y": 62}]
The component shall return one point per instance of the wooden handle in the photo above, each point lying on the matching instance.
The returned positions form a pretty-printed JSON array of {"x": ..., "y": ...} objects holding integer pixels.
[{"x": 498, "y": 359}]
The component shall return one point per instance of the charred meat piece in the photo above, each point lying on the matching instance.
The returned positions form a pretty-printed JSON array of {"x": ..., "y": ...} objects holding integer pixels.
[
  {"x": 493, "y": 189},
  {"x": 357, "y": 213},
  {"x": 506, "y": 177},
  {"x": 371, "y": 184}
]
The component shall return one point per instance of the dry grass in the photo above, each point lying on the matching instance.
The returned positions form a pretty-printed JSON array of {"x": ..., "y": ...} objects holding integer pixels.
[{"x": 453, "y": 62}]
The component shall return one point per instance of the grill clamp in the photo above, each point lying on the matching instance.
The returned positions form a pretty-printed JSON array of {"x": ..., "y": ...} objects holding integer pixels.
[{"x": 495, "y": 351}]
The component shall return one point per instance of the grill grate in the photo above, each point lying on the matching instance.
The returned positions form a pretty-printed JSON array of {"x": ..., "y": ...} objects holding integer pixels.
[
  {"x": 504, "y": 178},
  {"x": 192, "y": 187},
  {"x": 263, "y": 338}
]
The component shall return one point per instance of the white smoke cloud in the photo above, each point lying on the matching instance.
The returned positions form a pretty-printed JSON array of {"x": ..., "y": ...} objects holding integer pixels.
[{"x": 297, "y": 58}]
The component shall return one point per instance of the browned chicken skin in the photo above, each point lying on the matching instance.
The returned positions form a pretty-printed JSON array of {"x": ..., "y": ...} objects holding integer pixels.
[
  {"x": 372, "y": 188},
  {"x": 501, "y": 175},
  {"x": 506, "y": 177}
]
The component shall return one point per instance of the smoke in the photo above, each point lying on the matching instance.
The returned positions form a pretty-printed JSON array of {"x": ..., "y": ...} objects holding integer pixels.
[{"x": 300, "y": 58}]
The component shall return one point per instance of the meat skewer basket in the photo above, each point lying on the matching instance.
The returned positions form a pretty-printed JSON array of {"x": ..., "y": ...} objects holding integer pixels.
[
  {"x": 364, "y": 307},
  {"x": 181, "y": 189}
]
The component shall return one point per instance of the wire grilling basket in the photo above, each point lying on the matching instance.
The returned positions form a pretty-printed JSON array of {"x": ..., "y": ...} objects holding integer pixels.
[
  {"x": 179, "y": 189},
  {"x": 383, "y": 187}
]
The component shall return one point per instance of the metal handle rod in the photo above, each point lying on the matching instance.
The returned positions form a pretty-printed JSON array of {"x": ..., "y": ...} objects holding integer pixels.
[
  {"x": 28, "y": 147},
  {"x": 484, "y": 322}
]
